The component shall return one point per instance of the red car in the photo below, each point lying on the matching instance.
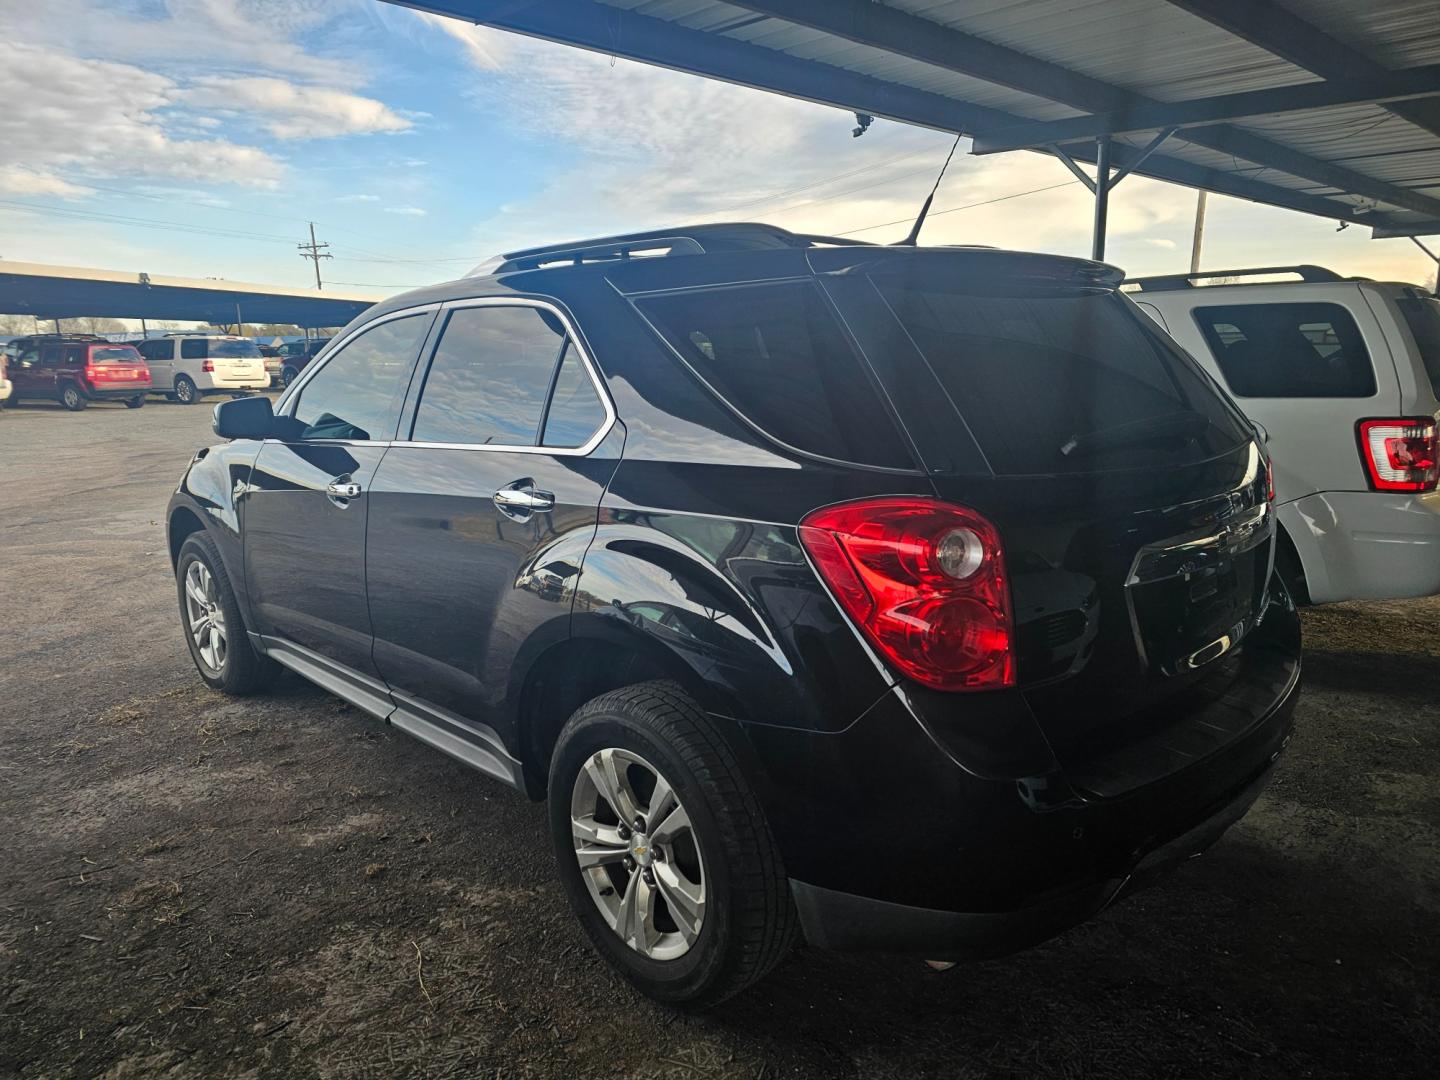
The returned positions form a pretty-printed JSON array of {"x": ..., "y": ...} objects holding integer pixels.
[{"x": 76, "y": 369}]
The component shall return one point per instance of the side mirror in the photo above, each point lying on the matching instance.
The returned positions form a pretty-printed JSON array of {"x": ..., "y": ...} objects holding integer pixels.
[{"x": 244, "y": 418}]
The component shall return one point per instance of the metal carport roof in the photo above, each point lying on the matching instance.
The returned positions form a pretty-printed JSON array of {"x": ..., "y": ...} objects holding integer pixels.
[
  {"x": 62, "y": 292},
  {"x": 1329, "y": 107}
]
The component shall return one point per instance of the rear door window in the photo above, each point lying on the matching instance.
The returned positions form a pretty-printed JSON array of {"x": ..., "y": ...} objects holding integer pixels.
[
  {"x": 1061, "y": 380},
  {"x": 1310, "y": 350},
  {"x": 775, "y": 353},
  {"x": 1422, "y": 315}
]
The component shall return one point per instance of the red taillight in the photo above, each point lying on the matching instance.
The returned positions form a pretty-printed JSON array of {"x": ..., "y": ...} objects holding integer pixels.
[
  {"x": 1269, "y": 479},
  {"x": 1401, "y": 455},
  {"x": 925, "y": 582},
  {"x": 208, "y": 367},
  {"x": 94, "y": 372}
]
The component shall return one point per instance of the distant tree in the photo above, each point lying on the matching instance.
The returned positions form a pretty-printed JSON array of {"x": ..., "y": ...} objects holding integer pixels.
[
  {"x": 92, "y": 324},
  {"x": 15, "y": 325}
]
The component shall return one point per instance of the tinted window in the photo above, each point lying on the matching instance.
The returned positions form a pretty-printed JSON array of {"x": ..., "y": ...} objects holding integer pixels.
[
  {"x": 1288, "y": 350},
  {"x": 576, "y": 411},
  {"x": 489, "y": 377},
  {"x": 357, "y": 394},
  {"x": 1054, "y": 380},
  {"x": 114, "y": 353},
  {"x": 234, "y": 348},
  {"x": 1423, "y": 317},
  {"x": 193, "y": 349},
  {"x": 775, "y": 353},
  {"x": 155, "y": 350}
]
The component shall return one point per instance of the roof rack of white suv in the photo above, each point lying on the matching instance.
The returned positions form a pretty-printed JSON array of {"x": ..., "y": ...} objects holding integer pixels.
[
  {"x": 690, "y": 240},
  {"x": 1210, "y": 278}
]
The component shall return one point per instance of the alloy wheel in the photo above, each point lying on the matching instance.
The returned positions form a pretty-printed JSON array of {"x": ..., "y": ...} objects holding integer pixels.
[
  {"x": 205, "y": 616},
  {"x": 638, "y": 853}
]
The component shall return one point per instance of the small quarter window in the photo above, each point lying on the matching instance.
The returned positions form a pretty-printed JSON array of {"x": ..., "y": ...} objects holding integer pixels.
[
  {"x": 1288, "y": 350},
  {"x": 576, "y": 411}
]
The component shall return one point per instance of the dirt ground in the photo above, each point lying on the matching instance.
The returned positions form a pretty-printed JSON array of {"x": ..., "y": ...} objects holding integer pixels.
[{"x": 197, "y": 887}]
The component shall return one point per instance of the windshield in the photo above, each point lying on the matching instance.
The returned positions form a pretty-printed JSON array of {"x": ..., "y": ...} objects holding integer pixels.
[
  {"x": 233, "y": 348},
  {"x": 1423, "y": 317},
  {"x": 1062, "y": 380},
  {"x": 110, "y": 354}
]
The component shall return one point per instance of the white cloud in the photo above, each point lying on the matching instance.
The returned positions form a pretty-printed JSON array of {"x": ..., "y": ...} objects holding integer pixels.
[
  {"x": 79, "y": 118},
  {"x": 358, "y": 198},
  {"x": 408, "y": 211},
  {"x": 292, "y": 111},
  {"x": 1161, "y": 242},
  {"x": 484, "y": 48},
  {"x": 18, "y": 180}
]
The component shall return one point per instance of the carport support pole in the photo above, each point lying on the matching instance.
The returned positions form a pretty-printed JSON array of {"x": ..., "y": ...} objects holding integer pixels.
[
  {"x": 1102, "y": 196},
  {"x": 144, "y": 333}
]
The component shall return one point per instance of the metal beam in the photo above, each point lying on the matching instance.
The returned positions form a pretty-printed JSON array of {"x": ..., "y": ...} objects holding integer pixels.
[
  {"x": 916, "y": 38},
  {"x": 619, "y": 32},
  {"x": 1279, "y": 31},
  {"x": 1401, "y": 85},
  {"x": 1102, "y": 197}
]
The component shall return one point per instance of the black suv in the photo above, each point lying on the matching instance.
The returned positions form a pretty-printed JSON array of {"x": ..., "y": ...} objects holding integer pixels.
[{"x": 916, "y": 600}]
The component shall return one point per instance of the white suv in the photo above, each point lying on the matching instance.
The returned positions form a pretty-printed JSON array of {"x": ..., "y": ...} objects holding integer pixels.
[
  {"x": 1343, "y": 376},
  {"x": 185, "y": 367}
]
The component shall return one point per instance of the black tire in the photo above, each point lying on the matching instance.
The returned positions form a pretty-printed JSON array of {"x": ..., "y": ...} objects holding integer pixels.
[
  {"x": 243, "y": 670},
  {"x": 749, "y": 921},
  {"x": 72, "y": 397},
  {"x": 1287, "y": 566},
  {"x": 287, "y": 376},
  {"x": 136, "y": 402},
  {"x": 186, "y": 392}
]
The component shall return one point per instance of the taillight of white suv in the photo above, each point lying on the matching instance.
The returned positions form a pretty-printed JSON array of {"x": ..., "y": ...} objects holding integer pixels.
[
  {"x": 925, "y": 581},
  {"x": 1402, "y": 454}
]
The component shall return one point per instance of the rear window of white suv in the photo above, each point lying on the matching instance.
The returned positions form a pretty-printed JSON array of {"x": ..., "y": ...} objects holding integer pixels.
[{"x": 1311, "y": 350}]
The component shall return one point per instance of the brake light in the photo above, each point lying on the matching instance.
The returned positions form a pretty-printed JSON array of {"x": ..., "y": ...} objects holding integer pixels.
[
  {"x": 1401, "y": 455},
  {"x": 1269, "y": 479},
  {"x": 925, "y": 582},
  {"x": 208, "y": 367}
]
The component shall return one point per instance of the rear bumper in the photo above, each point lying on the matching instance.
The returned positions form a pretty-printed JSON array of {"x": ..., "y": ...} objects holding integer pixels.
[
  {"x": 844, "y": 921},
  {"x": 258, "y": 382},
  {"x": 117, "y": 393},
  {"x": 1366, "y": 545}
]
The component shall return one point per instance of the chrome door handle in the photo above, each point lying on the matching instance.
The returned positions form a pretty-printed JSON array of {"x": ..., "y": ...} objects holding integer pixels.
[
  {"x": 524, "y": 499},
  {"x": 337, "y": 490}
]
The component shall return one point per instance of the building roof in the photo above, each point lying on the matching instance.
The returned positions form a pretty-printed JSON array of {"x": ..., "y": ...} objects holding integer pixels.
[
  {"x": 1329, "y": 107},
  {"x": 62, "y": 292}
]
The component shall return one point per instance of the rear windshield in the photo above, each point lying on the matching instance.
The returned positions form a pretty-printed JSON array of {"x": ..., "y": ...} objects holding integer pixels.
[
  {"x": 775, "y": 353},
  {"x": 1062, "y": 380},
  {"x": 234, "y": 348},
  {"x": 103, "y": 354},
  {"x": 1422, "y": 315}
]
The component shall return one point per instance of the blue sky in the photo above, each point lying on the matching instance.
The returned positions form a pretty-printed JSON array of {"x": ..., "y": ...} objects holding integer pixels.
[{"x": 197, "y": 137}]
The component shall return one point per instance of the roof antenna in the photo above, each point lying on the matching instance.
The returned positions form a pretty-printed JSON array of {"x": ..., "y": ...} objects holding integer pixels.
[{"x": 914, "y": 234}]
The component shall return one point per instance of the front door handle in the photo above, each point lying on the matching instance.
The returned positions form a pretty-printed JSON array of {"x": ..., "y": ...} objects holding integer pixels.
[
  {"x": 347, "y": 490},
  {"x": 524, "y": 500}
]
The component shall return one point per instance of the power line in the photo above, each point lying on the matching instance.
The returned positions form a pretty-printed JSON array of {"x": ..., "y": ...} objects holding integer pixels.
[{"x": 967, "y": 206}]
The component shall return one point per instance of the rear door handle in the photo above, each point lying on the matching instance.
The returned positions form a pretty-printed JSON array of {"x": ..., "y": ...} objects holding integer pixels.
[
  {"x": 347, "y": 490},
  {"x": 524, "y": 500}
]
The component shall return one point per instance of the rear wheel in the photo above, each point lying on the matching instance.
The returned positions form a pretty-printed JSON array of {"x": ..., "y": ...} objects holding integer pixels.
[
  {"x": 214, "y": 628},
  {"x": 288, "y": 375},
  {"x": 663, "y": 848},
  {"x": 136, "y": 402},
  {"x": 72, "y": 397},
  {"x": 186, "y": 391}
]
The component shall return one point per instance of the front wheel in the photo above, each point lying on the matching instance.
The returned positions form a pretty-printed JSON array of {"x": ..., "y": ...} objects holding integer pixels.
[
  {"x": 72, "y": 398},
  {"x": 186, "y": 392},
  {"x": 664, "y": 850},
  {"x": 136, "y": 402},
  {"x": 214, "y": 628}
]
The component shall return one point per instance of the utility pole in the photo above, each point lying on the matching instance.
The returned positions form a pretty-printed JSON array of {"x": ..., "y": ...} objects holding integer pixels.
[
  {"x": 316, "y": 252},
  {"x": 1199, "y": 233}
]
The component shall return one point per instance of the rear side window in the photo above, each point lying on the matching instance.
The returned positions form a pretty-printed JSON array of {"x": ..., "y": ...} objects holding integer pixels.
[
  {"x": 575, "y": 411},
  {"x": 1288, "y": 350},
  {"x": 193, "y": 349},
  {"x": 776, "y": 354},
  {"x": 490, "y": 376},
  {"x": 1054, "y": 380},
  {"x": 1422, "y": 315}
]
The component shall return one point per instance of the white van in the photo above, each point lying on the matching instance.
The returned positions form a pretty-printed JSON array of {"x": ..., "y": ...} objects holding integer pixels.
[
  {"x": 1343, "y": 376},
  {"x": 185, "y": 367}
]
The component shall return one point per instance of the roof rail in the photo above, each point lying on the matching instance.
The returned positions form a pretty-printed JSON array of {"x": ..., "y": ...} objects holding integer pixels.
[
  {"x": 1211, "y": 278},
  {"x": 690, "y": 240}
]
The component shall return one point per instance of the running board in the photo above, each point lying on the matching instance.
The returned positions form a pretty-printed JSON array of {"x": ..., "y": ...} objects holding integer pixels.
[{"x": 359, "y": 690}]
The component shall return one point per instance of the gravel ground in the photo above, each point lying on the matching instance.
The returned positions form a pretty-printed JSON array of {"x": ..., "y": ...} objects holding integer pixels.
[{"x": 198, "y": 887}]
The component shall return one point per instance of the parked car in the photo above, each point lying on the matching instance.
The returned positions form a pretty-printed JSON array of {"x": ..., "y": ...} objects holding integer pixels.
[
  {"x": 274, "y": 363},
  {"x": 4, "y": 378},
  {"x": 76, "y": 369},
  {"x": 296, "y": 355},
  {"x": 912, "y": 600},
  {"x": 186, "y": 367},
  {"x": 1344, "y": 376}
]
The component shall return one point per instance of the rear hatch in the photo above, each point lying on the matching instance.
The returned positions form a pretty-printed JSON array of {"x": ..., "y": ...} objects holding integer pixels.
[
  {"x": 1130, "y": 495},
  {"x": 115, "y": 367},
  {"x": 235, "y": 360}
]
